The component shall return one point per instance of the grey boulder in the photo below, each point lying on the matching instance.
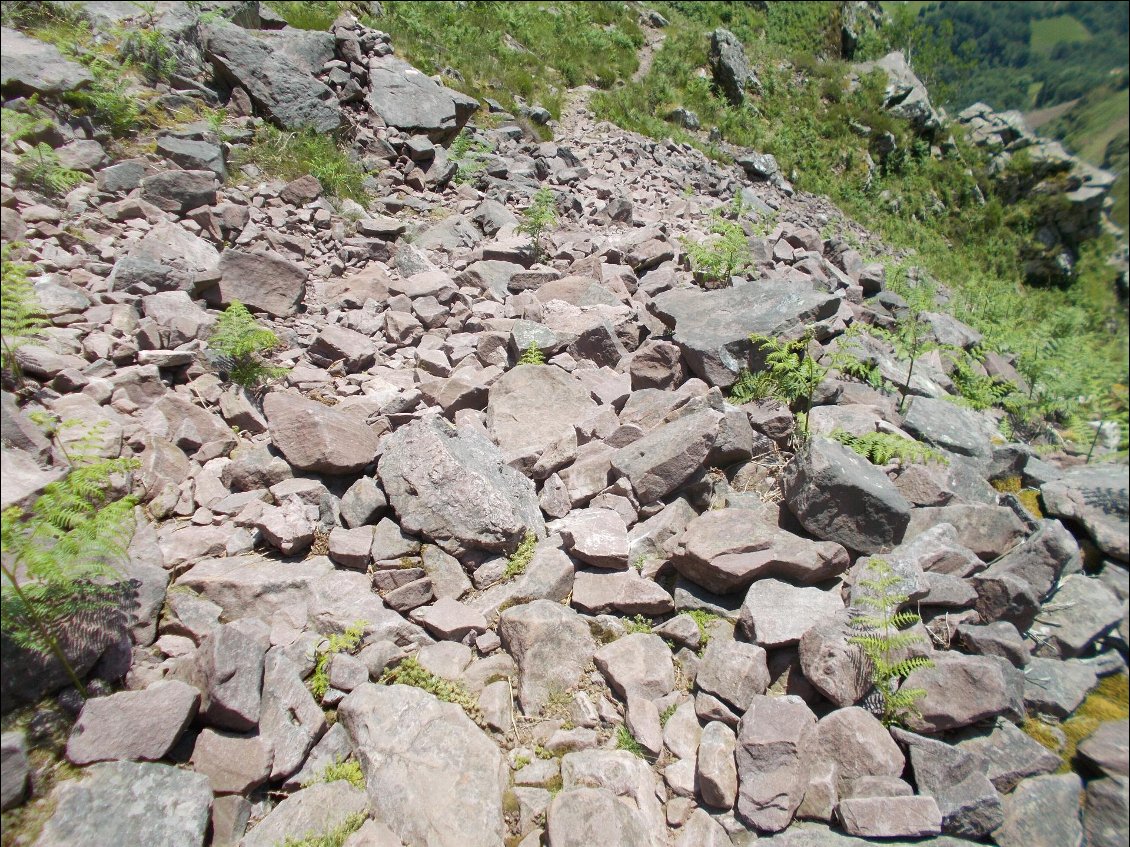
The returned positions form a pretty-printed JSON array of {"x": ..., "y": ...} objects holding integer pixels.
[
  {"x": 34, "y": 67},
  {"x": 1095, "y": 496},
  {"x": 139, "y": 725},
  {"x": 406, "y": 98}
]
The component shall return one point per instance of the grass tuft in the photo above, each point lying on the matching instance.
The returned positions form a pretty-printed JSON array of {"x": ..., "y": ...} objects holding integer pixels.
[{"x": 290, "y": 155}]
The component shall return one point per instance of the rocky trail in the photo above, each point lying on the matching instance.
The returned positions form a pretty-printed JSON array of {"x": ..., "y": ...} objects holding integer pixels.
[{"x": 413, "y": 592}]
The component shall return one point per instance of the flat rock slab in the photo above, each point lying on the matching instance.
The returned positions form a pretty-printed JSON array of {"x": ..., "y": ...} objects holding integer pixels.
[
  {"x": 136, "y": 725},
  {"x": 948, "y": 426},
  {"x": 777, "y": 614},
  {"x": 890, "y": 817},
  {"x": 316, "y": 437},
  {"x": 312, "y": 811},
  {"x": 1108, "y": 747},
  {"x": 1043, "y": 812},
  {"x": 261, "y": 280},
  {"x": 552, "y": 646},
  {"x": 1097, "y": 497},
  {"x": 408, "y": 99},
  {"x": 961, "y": 690},
  {"x": 34, "y": 67},
  {"x": 639, "y": 664},
  {"x": 454, "y": 487},
  {"x": 581, "y": 817},
  {"x": 713, "y": 327},
  {"x": 130, "y": 803},
  {"x": 432, "y": 775}
]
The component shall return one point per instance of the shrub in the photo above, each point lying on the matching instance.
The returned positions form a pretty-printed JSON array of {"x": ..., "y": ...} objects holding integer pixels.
[
  {"x": 59, "y": 557},
  {"x": 468, "y": 153},
  {"x": 703, "y": 619},
  {"x": 21, "y": 319},
  {"x": 343, "y": 642},
  {"x": 520, "y": 560},
  {"x": 349, "y": 770},
  {"x": 882, "y": 642},
  {"x": 879, "y": 448},
  {"x": 539, "y": 216},
  {"x": 792, "y": 373},
  {"x": 238, "y": 342}
]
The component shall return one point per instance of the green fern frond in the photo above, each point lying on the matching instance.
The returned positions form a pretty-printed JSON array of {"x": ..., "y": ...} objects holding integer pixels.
[{"x": 880, "y": 448}]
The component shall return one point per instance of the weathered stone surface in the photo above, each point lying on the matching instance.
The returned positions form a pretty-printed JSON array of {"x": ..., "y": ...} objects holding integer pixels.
[
  {"x": 667, "y": 457},
  {"x": 194, "y": 155},
  {"x": 1108, "y": 748},
  {"x": 290, "y": 720},
  {"x": 1104, "y": 815},
  {"x": 1056, "y": 688},
  {"x": 230, "y": 663},
  {"x": 261, "y": 280},
  {"x": 597, "y": 537},
  {"x": 139, "y": 725},
  {"x": 906, "y": 96},
  {"x": 716, "y": 771},
  {"x": 179, "y": 191},
  {"x": 713, "y": 327},
  {"x": 776, "y": 614},
  {"x": 890, "y": 817},
  {"x": 627, "y": 776},
  {"x": 835, "y": 667},
  {"x": 278, "y": 86},
  {"x": 1006, "y": 754},
  {"x": 34, "y": 67},
  {"x": 1043, "y": 812},
  {"x": 1081, "y": 610},
  {"x": 637, "y": 664},
  {"x": 315, "y": 437},
  {"x": 774, "y": 736},
  {"x": 130, "y": 803},
  {"x": 1095, "y": 496},
  {"x": 580, "y": 817},
  {"x": 724, "y": 550},
  {"x": 701, "y": 830},
  {"x": 948, "y": 426},
  {"x": 312, "y": 811},
  {"x": 858, "y": 744},
  {"x": 409, "y": 100},
  {"x": 450, "y": 619},
  {"x": 454, "y": 487},
  {"x": 730, "y": 68},
  {"x": 234, "y": 764},
  {"x": 431, "y": 774},
  {"x": 960, "y": 690},
  {"x": 531, "y": 408},
  {"x": 733, "y": 671},
  {"x": 625, "y": 592},
  {"x": 987, "y": 530},
  {"x": 14, "y": 769},
  {"x": 837, "y": 495}
]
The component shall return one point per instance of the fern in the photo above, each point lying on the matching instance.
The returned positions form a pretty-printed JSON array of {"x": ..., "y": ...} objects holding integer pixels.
[
  {"x": 751, "y": 387},
  {"x": 21, "y": 319},
  {"x": 532, "y": 355},
  {"x": 40, "y": 168},
  {"x": 880, "y": 637},
  {"x": 879, "y": 448},
  {"x": 59, "y": 558},
  {"x": 539, "y": 216},
  {"x": 719, "y": 259},
  {"x": 793, "y": 375},
  {"x": 238, "y": 342}
]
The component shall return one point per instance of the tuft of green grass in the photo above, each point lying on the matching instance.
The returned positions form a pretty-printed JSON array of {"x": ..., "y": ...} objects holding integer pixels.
[
  {"x": 637, "y": 624},
  {"x": 348, "y": 770},
  {"x": 290, "y": 155},
  {"x": 520, "y": 560},
  {"x": 347, "y": 641},
  {"x": 336, "y": 837},
  {"x": 411, "y": 672},
  {"x": 626, "y": 741},
  {"x": 703, "y": 619}
]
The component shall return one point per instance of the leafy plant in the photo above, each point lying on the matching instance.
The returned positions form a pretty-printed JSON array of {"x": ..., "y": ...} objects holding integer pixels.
[
  {"x": 58, "y": 558},
  {"x": 21, "y": 319},
  {"x": 539, "y": 216},
  {"x": 348, "y": 769},
  {"x": 411, "y": 672},
  {"x": 107, "y": 101},
  {"x": 879, "y": 448},
  {"x": 40, "y": 168},
  {"x": 750, "y": 387},
  {"x": 883, "y": 641},
  {"x": 239, "y": 342},
  {"x": 703, "y": 619},
  {"x": 532, "y": 355},
  {"x": 468, "y": 153},
  {"x": 25, "y": 124},
  {"x": 794, "y": 374},
  {"x": 520, "y": 559},
  {"x": 718, "y": 259},
  {"x": 290, "y": 155},
  {"x": 150, "y": 51},
  {"x": 637, "y": 624},
  {"x": 343, "y": 642},
  {"x": 336, "y": 837}
]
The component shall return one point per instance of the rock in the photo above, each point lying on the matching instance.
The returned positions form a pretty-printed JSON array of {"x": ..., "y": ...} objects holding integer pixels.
[
  {"x": 1104, "y": 815},
  {"x": 261, "y": 280},
  {"x": 405, "y": 98},
  {"x": 363, "y": 503},
  {"x": 664, "y": 459},
  {"x": 1056, "y": 688},
  {"x": 657, "y": 364},
  {"x": 234, "y": 764},
  {"x": 858, "y": 744},
  {"x": 454, "y": 487},
  {"x": 837, "y": 495},
  {"x": 299, "y": 192},
  {"x": 530, "y": 409},
  {"x": 1095, "y": 496},
  {"x": 776, "y": 614},
  {"x": 129, "y": 803},
  {"x": 1014, "y": 586},
  {"x": 431, "y": 774},
  {"x": 724, "y": 550},
  {"x": 1007, "y": 755},
  {"x": 318, "y": 438},
  {"x": 179, "y": 191},
  {"x": 138, "y": 725},
  {"x": 340, "y": 344},
  {"x": 290, "y": 720},
  {"x": 597, "y": 537},
  {"x": 987, "y": 530},
  {"x": 194, "y": 155},
  {"x": 33, "y": 67},
  {"x": 774, "y": 736},
  {"x": 1042, "y": 812},
  {"x": 834, "y": 666},
  {"x": 712, "y": 328},
  {"x": 1108, "y": 748},
  {"x": 14, "y": 770},
  {"x": 906, "y": 96},
  {"x": 641, "y": 717},
  {"x": 948, "y": 426},
  {"x": 333, "y": 747},
  {"x": 960, "y": 690},
  {"x": 288, "y": 94},
  {"x": 701, "y": 830},
  {"x": 1080, "y": 612},
  {"x": 995, "y": 639},
  {"x": 580, "y": 817},
  {"x": 716, "y": 771},
  {"x": 230, "y": 815},
  {"x": 552, "y": 646},
  {"x": 625, "y": 592},
  {"x": 890, "y": 817},
  {"x": 450, "y": 619},
  {"x": 637, "y": 664},
  {"x": 730, "y": 68},
  {"x": 627, "y": 776},
  {"x": 230, "y": 662},
  {"x": 310, "y": 812},
  {"x": 733, "y": 671}
]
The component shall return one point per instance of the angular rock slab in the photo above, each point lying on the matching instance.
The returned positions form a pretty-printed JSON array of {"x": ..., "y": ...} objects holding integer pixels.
[
  {"x": 890, "y": 817},
  {"x": 130, "y": 803},
  {"x": 835, "y": 667},
  {"x": 261, "y": 280},
  {"x": 1096, "y": 496},
  {"x": 1043, "y": 812},
  {"x": 713, "y": 327},
  {"x": 14, "y": 769},
  {"x": 948, "y": 426},
  {"x": 837, "y": 495},
  {"x": 432, "y": 775},
  {"x": 582, "y": 817},
  {"x": 639, "y": 664},
  {"x": 776, "y": 614},
  {"x": 552, "y": 646},
  {"x": 454, "y": 487},
  {"x": 774, "y": 737},
  {"x": 316, "y": 437},
  {"x": 313, "y": 811},
  {"x": 627, "y": 776},
  {"x": 408, "y": 99},
  {"x": 961, "y": 690},
  {"x": 34, "y": 67},
  {"x": 135, "y": 725}
]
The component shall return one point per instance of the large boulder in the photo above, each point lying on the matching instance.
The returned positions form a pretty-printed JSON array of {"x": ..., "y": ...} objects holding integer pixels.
[
  {"x": 261, "y": 280},
  {"x": 949, "y": 426},
  {"x": 279, "y": 86},
  {"x": 532, "y": 408},
  {"x": 730, "y": 67},
  {"x": 454, "y": 487},
  {"x": 552, "y": 646},
  {"x": 581, "y": 817},
  {"x": 776, "y": 614},
  {"x": 1043, "y": 812},
  {"x": 432, "y": 775},
  {"x": 307, "y": 815},
  {"x": 839, "y": 496},
  {"x": 627, "y": 776},
  {"x": 133, "y": 724},
  {"x": 1098, "y": 497},
  {"x": 316, "y": 437},
  {"x": 34, "y": 67},
  {"x": 409, "y": 100},
  {"x": 961, "y": 690},
  {"x": 129, "y": 803},
  {"x": 667, "y": 457},
  {"x": 713, "y": 327},
  {"x": 775, "y": 736},
  {"x": 906, "y": 95}
]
